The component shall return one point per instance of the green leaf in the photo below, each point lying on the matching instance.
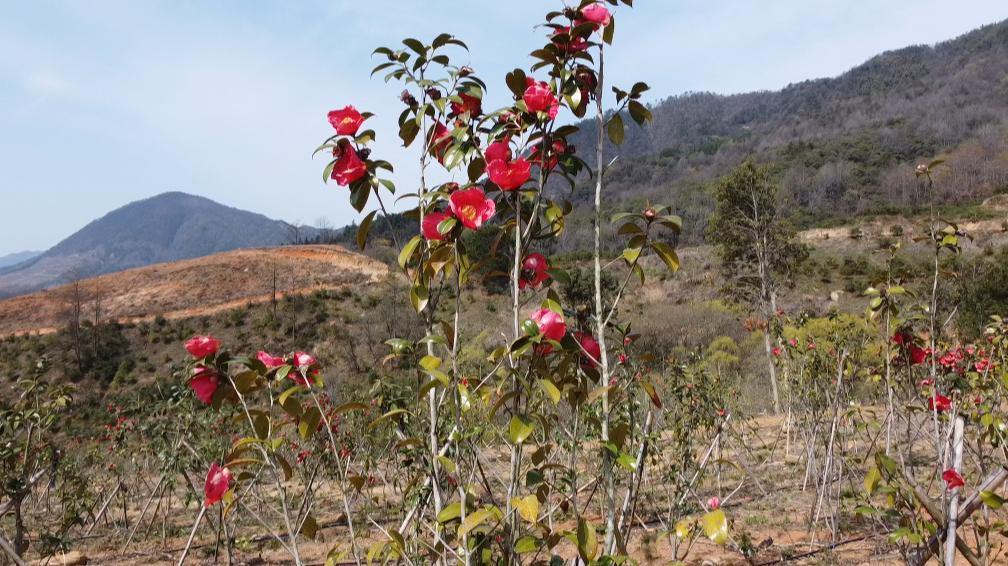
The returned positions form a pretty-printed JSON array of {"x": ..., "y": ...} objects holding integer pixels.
[
  {"x": 309, "y": 422},
  {"x": 872, "y": 480},
  {"x": 520, "y": 428},
  {"x": 282, "y": 399},
  {"x": 526, "y": 544},
  {"x": 364, "y": 229},
  {"x": 991, "y": 499},
  {"x": 450, "y": 512},
  {"x": 387, "y": 416},
  {"x": 667, "y": 255},
  {"x": 587, "y": 543},
  {"x": 407, "y": 252},
  {"x": 615, "y": 129},
  {"x": 715, "y": 526},
  {"x": 550, "y": 389},
  {"x": 472, "y": 521}
]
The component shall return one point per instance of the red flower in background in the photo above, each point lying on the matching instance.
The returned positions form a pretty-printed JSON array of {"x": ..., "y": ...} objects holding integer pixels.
[
  {"x": 534, "y": 271},
  {"x": 559, "y": 147},
  {"x": 953, "y": 479},
  {"x": 268, "y": 360},
  {"x": 776, "y": 351},
  {"x": 714, "y": 503},
  {"x": 509, "y": 175},
  {"x": 429, "y": 227},
  {"x": 202, "y": 346},
  {"x": 597, "y": 14},
  {"x": 218, "y": 481},
  {"x": 918, "y": 354},
  {"x": 983, "y": 365},
  {"x": 940, "y": 403},
  {"x": 472, "y": 207},
  {"x": 305, "y": 364},
  {"x": 562, "y": 39},
  {"x": 550, "y": 323},
  {"x": 589, "y": 346},
  {"x": 348, "y": 167},
  {"x": 539, "y": 98},
  {"x": 439, "y": 141},
  {"x": 469, "y": 103},
  {"x": 346, "y": 121},
  {"x": 498, "y": 150},
  {"x": 204, "y": 383}
]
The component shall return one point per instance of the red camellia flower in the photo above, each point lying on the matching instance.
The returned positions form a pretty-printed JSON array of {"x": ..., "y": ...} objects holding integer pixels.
[
  {"x": 469, "y": 103},
  {"x": 498, "y": 150},
  {"x": 429, "y": 227},
  {"x": 562, "y": 39},
  {"x": 533, "y": 271},
  {"x": 440, "y": 140},
  {"x": 346, "y": 121},
  {"x": 776, "y": 351},
  {"x": 202, "y": 346},
  {"x": 269, "y": 360},
  {"x": 983, "y": 365},
  {"x": 472, "y": 207},
  {"x": 305, "y": 364},
  {"x": 918, "y": 354},
  {"x": 623, "y": 358},
  {"x": 550, "y": 323},
  {"x": 597, "y": 14},
  {"x": 538, "y": 97},
  {"x": 589, "y": 345},
  {"x": 953, "y": 479},
  {"x": 204, "y": 383},
  {"x": 940, "y": 403},
  {"x": 348, "y": 167},
  {"x": 218, "y": 481},
  {"x": 509, "y": 175},
  {"x": 552, "y": 156}
]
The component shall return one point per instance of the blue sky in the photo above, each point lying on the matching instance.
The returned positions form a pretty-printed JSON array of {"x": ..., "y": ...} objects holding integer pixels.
[{"x": 104, "y": 102}]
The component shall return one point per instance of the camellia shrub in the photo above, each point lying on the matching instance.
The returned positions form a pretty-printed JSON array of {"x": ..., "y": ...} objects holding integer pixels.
[{"x": 543, "y": 444}]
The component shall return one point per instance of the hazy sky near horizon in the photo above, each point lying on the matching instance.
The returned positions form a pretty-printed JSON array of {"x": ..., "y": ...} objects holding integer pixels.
[{"x": 109, "y": 101}]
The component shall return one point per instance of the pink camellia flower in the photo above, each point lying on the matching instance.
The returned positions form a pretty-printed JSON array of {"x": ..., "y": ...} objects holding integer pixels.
[
  {"x": 538, "y": 97},
  {"x": 550, "y": 323},
  {"x": 597, "y": 14},
  {"x": 429, "y": 227},
  {"x": 623, "y": 358},
  {"x": 951, "y": 358},
  {"x": 469, "y": 104},
  {"x": 348, "y": 167},
  {"x": 346, "y": 121},
  {"x": 204, "y": 383},
  {"x": 304, "y": 360},
  {"x": 472, "y": 207},
  {"x": 218, "y": 481},
  {"x": 714, "y": 503},
  {"x": 983, "y": 365},
  {"x": 534, "y": 271},
  {"x": 926, "y": 382},
  {"x": 939, "y": 403},
  {"x": 498, "y": 150},
  {"x": 776, "y": 351},
  {"x": 268, "y": 360},
  {"x": 202, "y": 346},
  {"x": 953, "y": 479},
  {"x": 793, "y": 342},
  {"x": 811, "y": 346},
  {"x": 509, "y": 175},
  {"x": 589, "y": 346}
]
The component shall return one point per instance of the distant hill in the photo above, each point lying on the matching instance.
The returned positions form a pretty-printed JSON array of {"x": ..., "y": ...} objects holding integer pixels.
[
  {"x": 192, "y": 287},
  {"x": 17, "y": 257},
  {"x": 168, "y": 227},
  {"x": 844, "y": 145}
]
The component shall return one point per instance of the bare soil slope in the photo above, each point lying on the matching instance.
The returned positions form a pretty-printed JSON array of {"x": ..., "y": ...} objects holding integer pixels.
[{"x": 192, "y": 287}]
